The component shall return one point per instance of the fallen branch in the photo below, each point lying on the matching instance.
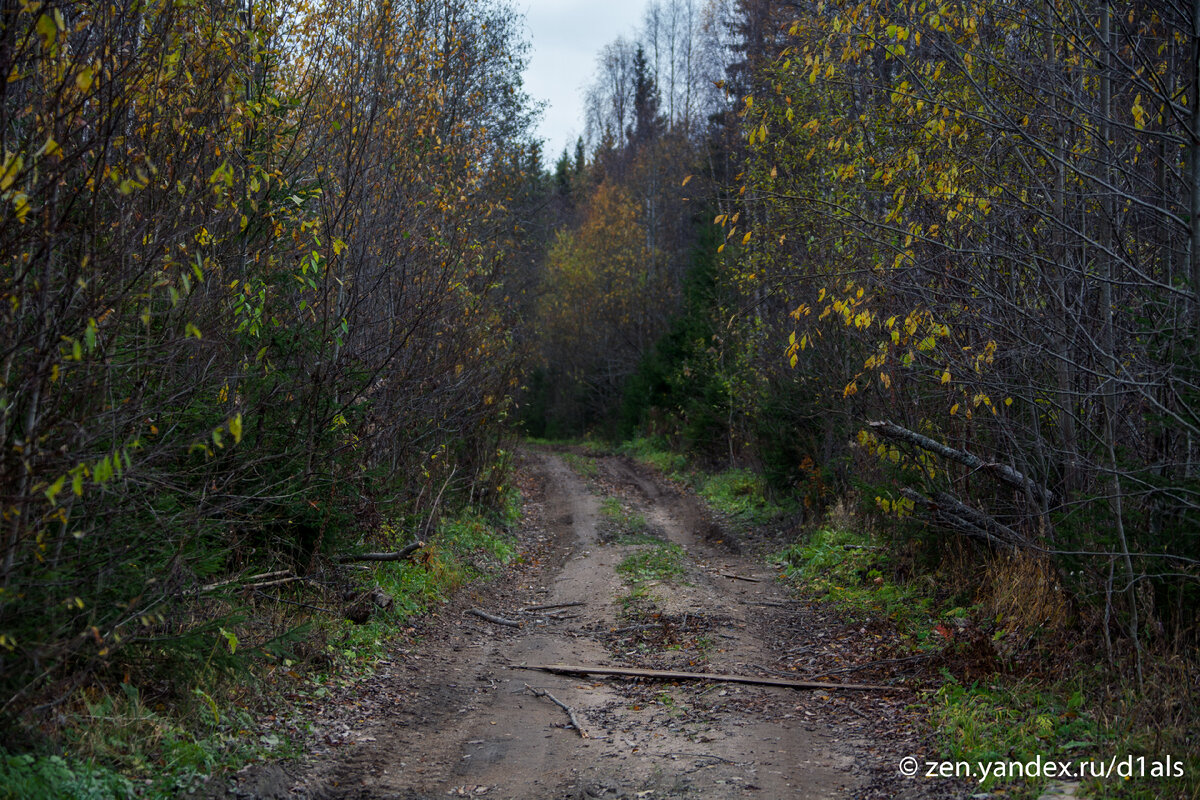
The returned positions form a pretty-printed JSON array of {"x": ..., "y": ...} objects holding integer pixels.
[
  {"x": 1002, "y": 471},
  {"x": 493, "y": 618},
  {"x": 956, "y": 514},
  {"x": 740, "y": 577},
  {"x": 276, "y": 582},
  {"x": 548, "y": 606},
  {"x": 634, "y": 629},
  {"x": 261, "y": 576},
  {"x": 671, "y": 675},
  {"x": 399, "y": 555},
  {"x": 570, "y": 712}
]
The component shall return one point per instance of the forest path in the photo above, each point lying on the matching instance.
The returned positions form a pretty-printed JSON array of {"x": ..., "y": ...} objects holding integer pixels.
[{"x": 449, "y": 716}]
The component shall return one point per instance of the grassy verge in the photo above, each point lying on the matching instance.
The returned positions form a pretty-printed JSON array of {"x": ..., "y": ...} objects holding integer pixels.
[
  {"x": 1013, "y": 687},
  {"x": 117, "y": 739}
]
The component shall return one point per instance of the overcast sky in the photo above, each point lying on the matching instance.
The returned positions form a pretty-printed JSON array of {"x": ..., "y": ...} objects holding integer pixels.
[{"x": 566, "y": 36}]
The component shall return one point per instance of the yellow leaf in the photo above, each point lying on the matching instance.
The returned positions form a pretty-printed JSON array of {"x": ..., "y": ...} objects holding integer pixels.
[
  {"x": 685, "y": 180},
  {"x": 84, "y": 78},
  {"x": 21, "y": 205},
  {"x": 954, "y": 409},
  {"x": 746, "y": 238},
  {"x": 946, "y": 376},
  {"x": 12, "y": 168},
  {"x": 235, "y": 427},
  {"x": 47, "y": 29}
]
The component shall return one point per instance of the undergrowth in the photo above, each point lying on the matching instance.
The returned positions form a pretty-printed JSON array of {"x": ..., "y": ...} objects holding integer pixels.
[
  {"x": 1030, "y": 695},
  {"x": 119, "y": 739}
]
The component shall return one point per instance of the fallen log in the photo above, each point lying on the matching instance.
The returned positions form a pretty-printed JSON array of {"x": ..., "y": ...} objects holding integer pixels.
[
  {"x": 399, "y": 555},
  {"x": 570, "y": 712},
  {"x": 493, "y": 618},
  {"x": 732, "y": 576},
  {"x": 671, "y": 675},
  {"x": 1002, "y": 471}
]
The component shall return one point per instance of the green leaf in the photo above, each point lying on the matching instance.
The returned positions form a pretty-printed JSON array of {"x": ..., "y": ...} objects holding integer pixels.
[
  {"x": 55, "y": 488},
  {"x": 47, "y": 29}
]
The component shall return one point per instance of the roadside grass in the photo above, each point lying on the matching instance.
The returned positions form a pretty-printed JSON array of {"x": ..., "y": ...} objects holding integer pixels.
[
  {"x": 656, "y": 454},
  {"x": 739, "y": 494},
  {"x": 1074, "y": 718},
  {"x": 115, "y": 739},
  {"x": 1081, "y": 711},
  {"x": 848, "y": 569}
]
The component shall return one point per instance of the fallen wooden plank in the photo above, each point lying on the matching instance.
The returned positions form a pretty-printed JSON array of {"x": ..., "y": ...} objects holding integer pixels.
[
  {"x": 493, "y": 618},
  {"x": 671, "y": 675}
]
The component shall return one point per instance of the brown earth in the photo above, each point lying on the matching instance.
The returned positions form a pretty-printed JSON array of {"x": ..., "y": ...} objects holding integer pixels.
[{"x": 449, "y": 715}]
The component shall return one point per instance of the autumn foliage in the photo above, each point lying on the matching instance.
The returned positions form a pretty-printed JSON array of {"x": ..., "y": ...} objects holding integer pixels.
[{"x": 253, "y": 282}]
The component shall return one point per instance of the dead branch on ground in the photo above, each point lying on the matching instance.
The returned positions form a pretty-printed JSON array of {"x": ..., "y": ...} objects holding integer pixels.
[
  {"x": 570, "y": 712},
  {"x": 493, "y": 618},
  {"x": 671, "y": 675}
]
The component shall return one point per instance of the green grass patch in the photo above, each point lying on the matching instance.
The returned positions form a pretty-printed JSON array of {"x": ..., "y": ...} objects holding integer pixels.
[
  {"x": 742, "y": 495},
  {"x": 656, "y": 454},
  {"x": 623, "y": 525},
  {"x": 584, "y": 466},
  {"x": 1015, "y": 721},
  {"x": 844, "y": 567},
  {"x": 663, "y": 561}
]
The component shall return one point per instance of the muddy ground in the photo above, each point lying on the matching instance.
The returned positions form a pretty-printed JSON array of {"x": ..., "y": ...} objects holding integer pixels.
[{"x": 451, "y": 714}]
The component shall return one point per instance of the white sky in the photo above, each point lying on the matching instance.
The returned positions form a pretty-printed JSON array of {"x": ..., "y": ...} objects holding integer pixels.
[{"x": 565, "y": 38}]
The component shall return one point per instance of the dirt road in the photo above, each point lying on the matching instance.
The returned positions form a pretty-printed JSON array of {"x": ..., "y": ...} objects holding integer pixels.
[{"x": 654, "y": 583}]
